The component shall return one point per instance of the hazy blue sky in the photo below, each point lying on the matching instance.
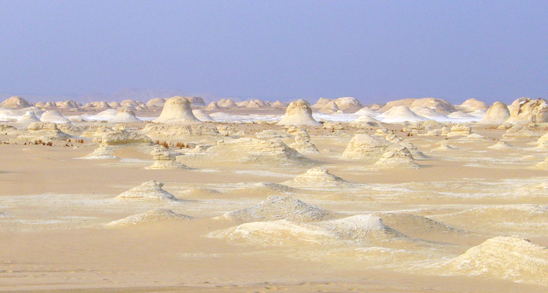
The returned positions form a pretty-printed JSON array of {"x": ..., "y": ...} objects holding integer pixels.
[{"x": 372, "y": 50}]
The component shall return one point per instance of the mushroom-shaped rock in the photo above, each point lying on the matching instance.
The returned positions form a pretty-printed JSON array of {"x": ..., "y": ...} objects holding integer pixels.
[
  {"x": 177, "y": 110},
  {"x": 496, "y": 115},
  {"x": 299, "y": 113}
]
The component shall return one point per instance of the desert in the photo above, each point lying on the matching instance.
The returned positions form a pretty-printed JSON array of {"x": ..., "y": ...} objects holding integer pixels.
[
  {"x": 280, "y": 197},
  {"x": 273, "y": 146}
]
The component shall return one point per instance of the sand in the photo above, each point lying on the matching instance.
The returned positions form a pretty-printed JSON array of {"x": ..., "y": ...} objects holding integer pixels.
[{"x": 265, "y": 207}]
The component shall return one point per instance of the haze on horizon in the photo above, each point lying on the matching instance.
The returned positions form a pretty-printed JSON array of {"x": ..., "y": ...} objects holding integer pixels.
[{"x": 375, "y": 51}]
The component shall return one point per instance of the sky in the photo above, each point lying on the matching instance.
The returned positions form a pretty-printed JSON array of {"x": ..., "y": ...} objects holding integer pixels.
[{"x": 375, "y": 51}]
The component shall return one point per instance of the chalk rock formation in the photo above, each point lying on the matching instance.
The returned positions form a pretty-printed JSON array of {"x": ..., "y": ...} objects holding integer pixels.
[
  {"x": 330, "y": 108},
  {"x": 164, "y": 159},
  {"x": 250, "y": 150},
  {"x": 527, "y": 110},
  {"x": 29, "y": 117},
  {"x": 69, "y": 104},
  {"x": 115, "y": 105},
  {"x": 45, "y": 131},
  {"x": 212, "y": 107},
  {"x": 53, "y": 116},
  {"x": 401, "y": 114},
  {"x": 360, "y": 230},
  {"x": 280, "y": 207},
  {"x": 121, "y": 137},
  {"x": 299, "y": 113},
  {"x": 278, "y": 104},
  {"x": 156, "y": 103},
  {"x": 101, "y": 105},
  {"x": 227, "y": 103},
  {"x": 542, "y": 142},
  {"x": 320, "y": 103},
  {"x": 412, "y": 149},
  {"x": 148, "y": 191},
  {"x": 460, "y": 130},
  {"x": 202, "y": 116},
  {"x": 520, "y": 131},
  {"x": 472, "y": 105},
  {"x": 501, "y": 145},
  {"x": 180, "y": 130},
  {"x": 103, "y": 152},
  {"x": 155, "y": 215},
  {"x": 196, "y": 101},
  {"x": 402, "y": 102},
  {"x": 125, "y": 115},
  {"x": 496, "y": 115},
  {"x": 177, "y": 110},
  {"x": 348, "y": 104},
  {"x": 542, "y": 165},
  {"x": 272, "y": 134},
  {"x": 438, "y": 105},
  {"x": 15, "y": 103},
  {"x": 397, "y": 156},
  {"x": 504, "y": 257},
  {"x": 317, "y": 178},
  {"x": 303, "y": 144},
  {"x": 130, "y": 103},
  {"x": 7, "y": 129},
  {"x": 365, "y": 147}
]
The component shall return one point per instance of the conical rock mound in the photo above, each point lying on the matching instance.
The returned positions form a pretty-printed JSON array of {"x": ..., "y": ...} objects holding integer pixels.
[
  {"x": 257, "y": 151},
  {"x": 53, "y": 116},
  {"x": 496, "y": 114},
  {"x": 15, "y": 103},
  {"x": 317, "y": 178},
  {"x": 360, "y": 230},
  {"x": 329, "y": 108},
  {"x": 501, "y": 145},
  {"x": 365, "y": 147},
  {"x": 401, "y": 114},
  {"x": 155, "y": 215},
  {"x": 101, "y": 153},
  {"x": 148, "y": 191},
  {"x": 125, "y": 115},
  {"x": 397, "y": 156},
  {"x": 29, "y": 117},
  {"x": 280, "y": 207},
  {"x": 177, "y": 110},
  {"x": 299, "y": 113},
  {"x": 504, "y": 257}
]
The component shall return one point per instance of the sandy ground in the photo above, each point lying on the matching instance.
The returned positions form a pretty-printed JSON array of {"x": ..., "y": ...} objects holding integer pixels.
[{"x": 54, "y": 205}]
